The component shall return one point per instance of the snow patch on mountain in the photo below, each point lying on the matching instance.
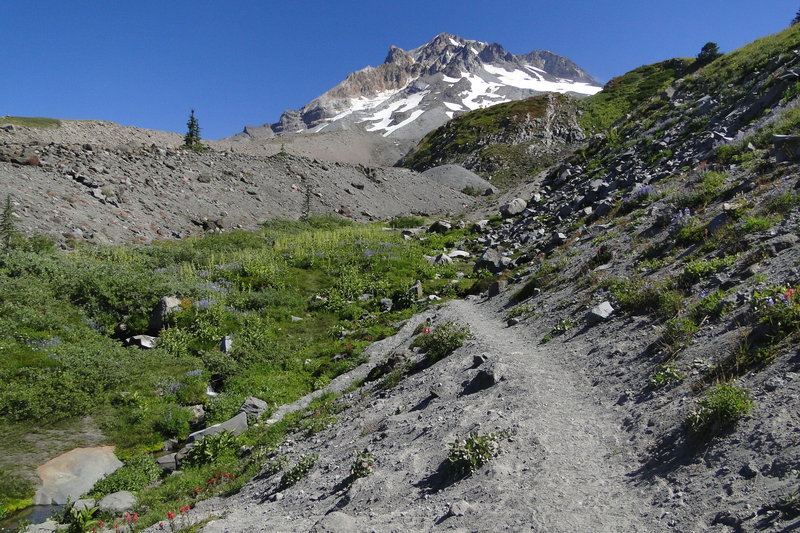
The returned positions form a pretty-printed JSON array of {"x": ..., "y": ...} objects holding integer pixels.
[{"x": 418, "y": 90}]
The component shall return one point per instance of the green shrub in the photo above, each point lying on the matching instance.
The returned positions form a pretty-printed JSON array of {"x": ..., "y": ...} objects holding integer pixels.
[
  {"x": 720, "y": 409},
  {"x": 710, "y": 306},
  {"x": 363, "y": 464},
  {"x": 678, "y": 332},
  {"x": 544, "y": 277},
  {"x": 698, "y": 269},
  {"x": 468, "y": 455},
  {"x": 211, "y": 449},
  {"x": 136, "y": 474},
  {"x": 778, "y": 308},
  {"x": 443, "y": 340},
  {"x": 299, "y": 471},
  {"x": 173, "y": 422},
  {"x": 636, "y": 296},
  {"x": 667, "y": 373}
]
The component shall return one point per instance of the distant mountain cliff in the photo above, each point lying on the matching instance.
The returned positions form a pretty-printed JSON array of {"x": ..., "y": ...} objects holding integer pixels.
[{"x": 413, "y": 92}]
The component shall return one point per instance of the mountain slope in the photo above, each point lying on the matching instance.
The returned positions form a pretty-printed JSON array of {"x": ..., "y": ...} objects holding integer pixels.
[{"x": 415, "y": 91}]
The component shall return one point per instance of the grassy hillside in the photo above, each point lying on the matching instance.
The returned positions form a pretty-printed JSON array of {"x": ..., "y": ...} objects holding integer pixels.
[
  {"x": 300, "y": 300},
  {"x": 468, "y": 132},
  {"x": 624, "y": 93},
  {"x": 31, "y": 122}
]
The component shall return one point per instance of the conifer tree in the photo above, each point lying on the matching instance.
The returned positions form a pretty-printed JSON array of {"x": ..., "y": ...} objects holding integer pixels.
[
  {"x": 708, "y": 53},
  {"x": 7, "y": 227},
  {"x": 192, "y": 138},
  {"x": 796, "y": 18}
]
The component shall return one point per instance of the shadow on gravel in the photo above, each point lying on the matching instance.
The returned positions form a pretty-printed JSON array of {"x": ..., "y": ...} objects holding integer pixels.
[
  {"x": 439, "y": 480},
  {"x": 675, "y": 449}
]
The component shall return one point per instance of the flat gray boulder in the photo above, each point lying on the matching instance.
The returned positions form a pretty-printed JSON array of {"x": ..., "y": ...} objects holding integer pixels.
[
  {"x": 600, "y": 313},
  {"x": 254, "y": 408},
  {"x": 514, "y": 207},
  {"x": 71, "y": 474},
  {"x": 236, "y": 425},
  {"x": 118, "y": 502},
  {"x": 84, "y": 503}
]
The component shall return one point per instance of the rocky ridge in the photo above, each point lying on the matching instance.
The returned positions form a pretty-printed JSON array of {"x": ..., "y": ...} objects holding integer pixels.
[
  {"x": 415, "y": 91},
  {"x": 100, "y": 182}
]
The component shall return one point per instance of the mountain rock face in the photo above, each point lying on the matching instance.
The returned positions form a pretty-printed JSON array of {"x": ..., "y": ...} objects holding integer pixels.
[{"x": 415, "y": 91}]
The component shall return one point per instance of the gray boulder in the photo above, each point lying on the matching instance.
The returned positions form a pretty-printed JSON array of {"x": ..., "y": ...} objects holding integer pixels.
[
  {"x": 254, "y": 408},
  {"x": 165, "y": 306},
  {"x": 144, "y": 342},
  {"x": 84, "y": 503},
  {"x": 515, "y": 207},
  {"x": 490, "y": 260},
  {"x": 497, "y": 287},
  {"x": 442, "y": 259},
  {"x": 786, "y": 147},
  {"x": 599, "y": 313},
  {"x": 118, "y": 502},
  {"x": 169, "y": 462},
  {"x": 440, "y": 226},
  {"x": 236, "y": 425},
  {"x": 386, "y": 304}
]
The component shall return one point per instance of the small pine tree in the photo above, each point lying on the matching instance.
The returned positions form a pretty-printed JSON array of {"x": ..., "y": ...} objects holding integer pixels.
[
  {"x": 796, "y": 18},
  {"x": 8, "y": 230},
  {"x": 192, "y": 138},
  {"x": 708, "y": 53}
]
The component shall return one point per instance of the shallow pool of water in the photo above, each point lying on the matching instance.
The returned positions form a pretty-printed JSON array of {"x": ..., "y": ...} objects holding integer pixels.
[{"x": 35, "y": 514}]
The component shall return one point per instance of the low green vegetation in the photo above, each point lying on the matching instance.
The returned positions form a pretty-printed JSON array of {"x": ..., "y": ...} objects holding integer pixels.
[
  {"x": 31, "y": 122},
  {"x": 303, "y": 467},
  {"x": 719, "y": 409},
  {"x": 462, "y": 134},
  {"x": 298, "y": 301},
  {"x": 442, "y": 340},
  {"x": 363, "y": 464},
  {"x": 469, "y": 454},
  {"x": 624, "y": 93},
  {"x": 136, "y": 474}
]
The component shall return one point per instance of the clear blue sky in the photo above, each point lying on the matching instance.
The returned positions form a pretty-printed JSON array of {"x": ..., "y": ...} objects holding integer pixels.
[{"x": 242, "y": 62}]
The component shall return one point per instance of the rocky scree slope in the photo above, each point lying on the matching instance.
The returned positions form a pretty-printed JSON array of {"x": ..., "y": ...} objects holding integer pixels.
[
  {"x": 415, "y": 91},
  {"x": 644, "y": 302},
  {"x": 101, "y": 182}
]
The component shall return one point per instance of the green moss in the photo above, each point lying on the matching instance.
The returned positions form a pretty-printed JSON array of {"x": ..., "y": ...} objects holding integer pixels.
[{"x": 31, "y": 122}]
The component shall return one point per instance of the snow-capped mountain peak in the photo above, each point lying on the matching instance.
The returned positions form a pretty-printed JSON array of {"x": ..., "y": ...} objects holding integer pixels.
[{"x": 415, "y": 91}]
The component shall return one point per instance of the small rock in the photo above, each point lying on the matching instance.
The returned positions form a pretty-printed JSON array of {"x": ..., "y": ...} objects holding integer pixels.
[
  {"x": 497, "y": 287},
  {"x": 600, "y": 312},
  {"x": 144, "y": 342},
  {"x": 459, "y": 508},
  {"x": 169, "y": 462},
  {"x": 254, "y": 408},
  {"x": 386, "y": 304},
  {"x": 440, "y": 226},
  {"x": 84, "y": 503},
  {"x": 226, "y": 344},
  {"x": 118, "y": 502},
  {"x": 515, "y": 207},
  {"x": 748, "y": 471}
]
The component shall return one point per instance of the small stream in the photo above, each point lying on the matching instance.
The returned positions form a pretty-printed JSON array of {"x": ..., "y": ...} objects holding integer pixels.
[{"x": 35, "y": 514}]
